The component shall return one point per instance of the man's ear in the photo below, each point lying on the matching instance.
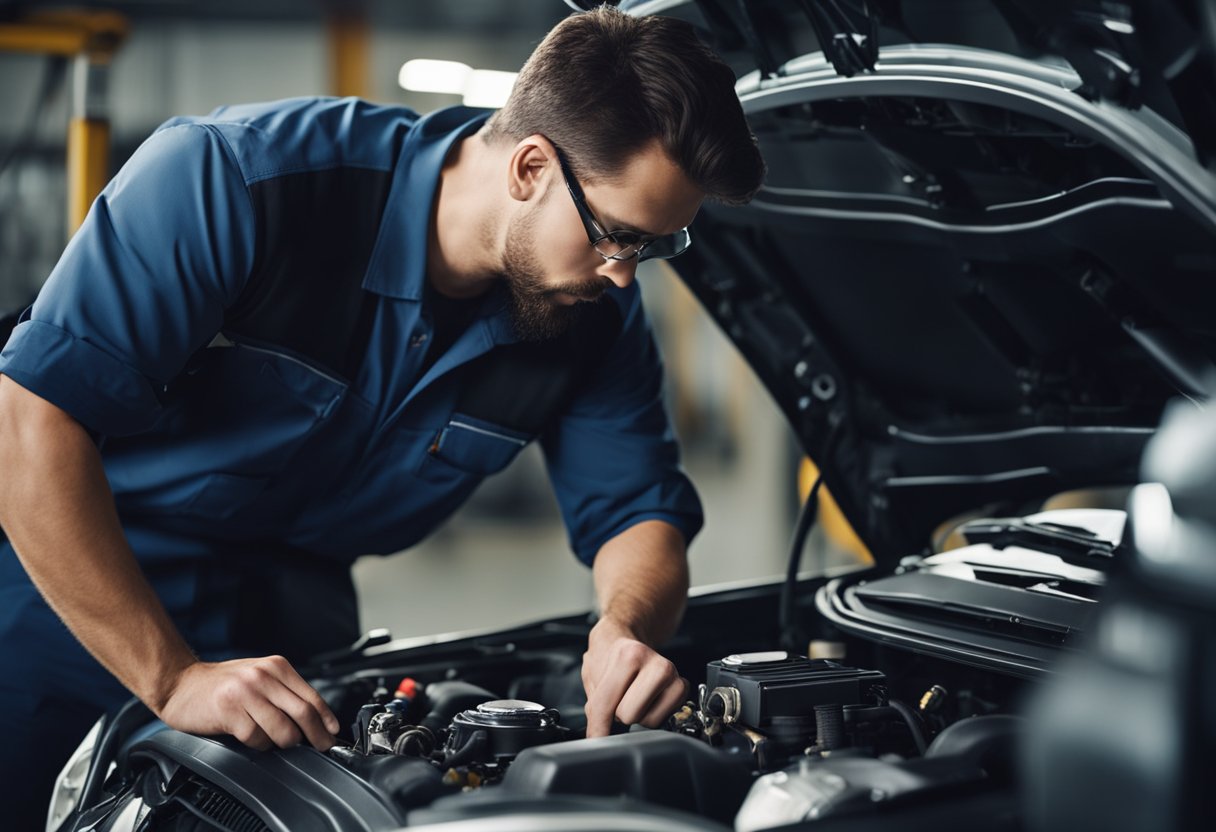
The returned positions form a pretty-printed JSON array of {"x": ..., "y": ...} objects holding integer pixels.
[{"x": 530, "y": 167}]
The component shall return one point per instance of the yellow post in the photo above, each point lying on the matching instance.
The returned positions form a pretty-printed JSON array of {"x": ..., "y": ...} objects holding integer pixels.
[
  {"x": 91, "y": 38},
  {"x": 831, "y": 519},
  {"x": 41, "y": 38},
  {"x": 349, "y": 37},
  {"x": 88, "y": 165}
]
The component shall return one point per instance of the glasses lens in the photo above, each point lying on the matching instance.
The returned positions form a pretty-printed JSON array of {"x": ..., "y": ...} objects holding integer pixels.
[
  {"x": 620, "y": 245},
  {"x": 664, "y": 248}
]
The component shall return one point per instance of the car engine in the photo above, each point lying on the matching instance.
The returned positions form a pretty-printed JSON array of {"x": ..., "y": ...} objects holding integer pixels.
[{"x": 770, "y": 738}]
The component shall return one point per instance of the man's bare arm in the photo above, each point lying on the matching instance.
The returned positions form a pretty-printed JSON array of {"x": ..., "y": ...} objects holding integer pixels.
[
  {"x": 641, "y": 582},
  {"x": 58, "y": 512}
]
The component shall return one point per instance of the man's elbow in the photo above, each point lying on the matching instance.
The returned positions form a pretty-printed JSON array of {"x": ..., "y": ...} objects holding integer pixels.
[{"x": 32, "y": 431}]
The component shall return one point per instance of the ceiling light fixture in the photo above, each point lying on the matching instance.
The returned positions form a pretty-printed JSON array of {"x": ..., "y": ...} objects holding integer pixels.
[{"x": 477, "y": 87}]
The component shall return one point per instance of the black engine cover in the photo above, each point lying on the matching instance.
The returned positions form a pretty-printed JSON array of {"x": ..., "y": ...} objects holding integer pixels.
[{"x": 655, "y": 766}]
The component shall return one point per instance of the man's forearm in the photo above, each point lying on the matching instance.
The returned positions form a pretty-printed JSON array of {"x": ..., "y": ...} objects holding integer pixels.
[
  {"x": 59, "y": 514},
  {"x": 641, "y": 580},
  {"x": 57, "y": 510}
]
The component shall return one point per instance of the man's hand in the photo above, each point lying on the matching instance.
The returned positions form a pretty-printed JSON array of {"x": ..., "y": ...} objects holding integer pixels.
[
  {"x": 626, "y": 679},
  {"x": 641, "y": 580},
  {"x": 262, "y": 702}
]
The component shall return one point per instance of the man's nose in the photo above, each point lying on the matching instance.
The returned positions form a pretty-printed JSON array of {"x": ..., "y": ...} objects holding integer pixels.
[{"x": 620, "y": 272}]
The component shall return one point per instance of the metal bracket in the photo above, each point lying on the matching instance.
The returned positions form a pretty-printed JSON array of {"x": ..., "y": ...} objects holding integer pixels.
[{"x": 847, "y": 33}]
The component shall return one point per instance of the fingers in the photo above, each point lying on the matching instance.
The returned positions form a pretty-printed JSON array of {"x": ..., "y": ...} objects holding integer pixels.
[
  {"x": 657, "y": 687},
  {"x": 262, "y": 702},
  {"x": 668, "y": 704},
  {"x": 296, "y": 684},
  {"x": 637, "y": 685},
  {"x": 589, "y": 679},
  {"x": 284, "y": 706},
  {"x": 601, "y": 705},
  {"x": 279, "y": 727},
  {"x": 303, "y": 716},
  {"x": 244, "y": 698},
  {"x": 247, "y": 731}
]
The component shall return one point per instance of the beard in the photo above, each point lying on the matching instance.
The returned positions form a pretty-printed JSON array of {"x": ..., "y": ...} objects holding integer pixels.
[{"x": 535, "y": 313}]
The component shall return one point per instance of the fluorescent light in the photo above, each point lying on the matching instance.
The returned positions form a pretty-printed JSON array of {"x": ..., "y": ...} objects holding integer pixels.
[
  {"x": 479, "y": 87},
  {"x": 488, "y": 88},
  {"x": 434, "y": 76}
]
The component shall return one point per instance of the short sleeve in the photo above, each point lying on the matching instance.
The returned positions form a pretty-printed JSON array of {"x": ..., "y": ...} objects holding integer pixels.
[
  {"x": 612, "y": 456},
  {"x": 143, "y": 284}
]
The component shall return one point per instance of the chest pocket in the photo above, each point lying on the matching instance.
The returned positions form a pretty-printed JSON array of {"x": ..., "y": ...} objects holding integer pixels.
[
  {"x": 513, "y": 393},
  {"x": 476, "y": 446}
]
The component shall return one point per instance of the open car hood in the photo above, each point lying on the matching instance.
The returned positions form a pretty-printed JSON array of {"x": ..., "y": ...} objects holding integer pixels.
[{"x": 984, "y": 255}]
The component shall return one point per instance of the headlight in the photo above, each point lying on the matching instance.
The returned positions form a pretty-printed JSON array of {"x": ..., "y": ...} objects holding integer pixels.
[{"x": 70, "y": 782}]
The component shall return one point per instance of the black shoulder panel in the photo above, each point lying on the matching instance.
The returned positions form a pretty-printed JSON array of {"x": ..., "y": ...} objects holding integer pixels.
[
  {"x": 524, "y": 386},
  {"x": 315, "y": 233},
  {"x": 7, "y": 324}
]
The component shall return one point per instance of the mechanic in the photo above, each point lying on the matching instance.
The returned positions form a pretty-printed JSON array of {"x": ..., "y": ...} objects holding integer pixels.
[{"x": 295, "y": 333}]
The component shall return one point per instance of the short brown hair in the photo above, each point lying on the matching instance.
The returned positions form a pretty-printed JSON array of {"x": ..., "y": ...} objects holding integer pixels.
[{"x": 603, "y": 84}]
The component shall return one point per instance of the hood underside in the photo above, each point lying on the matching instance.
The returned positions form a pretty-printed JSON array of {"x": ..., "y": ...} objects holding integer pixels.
[{"x": 967, "y": 283}]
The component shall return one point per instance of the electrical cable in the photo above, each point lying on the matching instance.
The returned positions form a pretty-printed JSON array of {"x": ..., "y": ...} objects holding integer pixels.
[
  {"x": 791, "y": 637},
  {"x": 52, "y": 78},
  {"x": 913, "y": 722},
  {"x": 793, "y": 640}
]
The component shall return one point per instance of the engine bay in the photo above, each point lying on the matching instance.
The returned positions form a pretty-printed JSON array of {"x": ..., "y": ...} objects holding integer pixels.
[
  {"x": 767, "y": 729},
  {"x": 767, "y": 738},
  {"x": 967, "y": 713},
  {"x": 907, "y": 697}
]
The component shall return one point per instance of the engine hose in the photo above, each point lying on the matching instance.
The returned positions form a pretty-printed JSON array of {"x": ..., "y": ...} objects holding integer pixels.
[
  {"x": 912, "y": 720},
  {"x": 448, "y": 698},
  {"x": 414, "y": 742}
]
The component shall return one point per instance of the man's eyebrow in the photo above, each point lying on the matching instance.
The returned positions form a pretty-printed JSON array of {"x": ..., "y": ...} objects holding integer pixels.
[{"x": 616, "y": 225}]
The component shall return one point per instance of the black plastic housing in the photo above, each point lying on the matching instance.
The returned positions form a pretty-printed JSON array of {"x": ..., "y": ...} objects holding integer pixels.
[
  {"x": 288, "y": 790},
  {"x": 792, "y": 686},
  {"x": 502, "y": 734}
]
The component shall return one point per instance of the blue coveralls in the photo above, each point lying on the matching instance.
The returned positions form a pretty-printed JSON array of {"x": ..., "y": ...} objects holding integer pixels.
[{"x": 241, "y": 323}]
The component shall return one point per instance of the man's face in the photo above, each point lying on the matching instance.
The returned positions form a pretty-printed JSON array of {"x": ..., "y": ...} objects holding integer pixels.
[{"x": 548, "y": 263}]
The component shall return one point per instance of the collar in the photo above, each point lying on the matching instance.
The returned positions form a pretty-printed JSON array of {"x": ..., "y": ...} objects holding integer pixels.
[{"x": 397, "y": 268}]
